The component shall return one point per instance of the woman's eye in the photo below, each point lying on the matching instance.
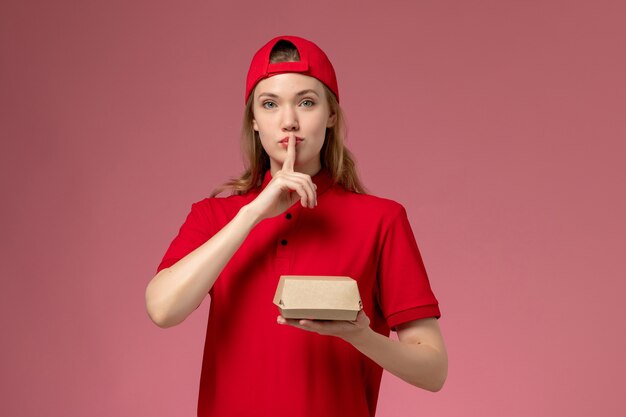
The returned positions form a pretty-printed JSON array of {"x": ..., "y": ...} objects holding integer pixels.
[
  {"x": 308, "y": 103},
  {"x": 267, "y": 105}
]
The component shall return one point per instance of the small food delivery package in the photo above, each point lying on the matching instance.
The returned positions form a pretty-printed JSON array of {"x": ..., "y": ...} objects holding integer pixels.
[{"x": 318, "y": 297}]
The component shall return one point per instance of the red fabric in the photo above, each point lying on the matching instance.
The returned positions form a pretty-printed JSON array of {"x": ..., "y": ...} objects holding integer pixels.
[
  {"x": 254, "y": 366},
  {"x": 313, "y": 62}
]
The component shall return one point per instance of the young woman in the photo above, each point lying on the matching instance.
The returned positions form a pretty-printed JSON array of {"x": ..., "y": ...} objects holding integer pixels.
[{"x": 299, "y": 209}]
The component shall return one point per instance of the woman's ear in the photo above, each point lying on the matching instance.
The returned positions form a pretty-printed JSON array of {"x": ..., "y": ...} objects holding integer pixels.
[
  {"x": 332, "y": 119},
  {"x": 255, "y": 126}
]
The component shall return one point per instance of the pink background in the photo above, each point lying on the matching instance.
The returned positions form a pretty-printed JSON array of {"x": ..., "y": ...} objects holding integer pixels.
[{"x": 499, "y": 125}]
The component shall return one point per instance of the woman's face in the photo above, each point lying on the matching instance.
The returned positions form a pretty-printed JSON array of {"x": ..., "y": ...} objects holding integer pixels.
[{"x": 297, "y": 103}]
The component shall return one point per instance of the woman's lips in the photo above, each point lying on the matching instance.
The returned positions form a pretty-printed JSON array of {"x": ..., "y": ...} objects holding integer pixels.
[{"x": 285, "y": 141}]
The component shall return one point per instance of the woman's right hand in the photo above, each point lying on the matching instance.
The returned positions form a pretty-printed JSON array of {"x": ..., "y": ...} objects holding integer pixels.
[
  {"x": 175, "y": 292},
  {"x": 285, "y": 188}
]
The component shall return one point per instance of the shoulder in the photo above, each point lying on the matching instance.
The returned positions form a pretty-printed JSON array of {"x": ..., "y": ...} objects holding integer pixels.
[
  {"x": 219, "y": 208},
  {"x": 369, "y": 204}
]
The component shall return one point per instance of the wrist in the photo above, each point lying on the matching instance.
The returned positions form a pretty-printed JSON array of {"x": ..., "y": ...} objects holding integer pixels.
[
  {"x": 251, "y": 216},
  {"x": 360, "y": 337}
]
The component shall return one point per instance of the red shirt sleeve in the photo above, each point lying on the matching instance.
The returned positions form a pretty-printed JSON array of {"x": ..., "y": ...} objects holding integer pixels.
[
  {"x": 195, "y": 231},
  {"x": 404, "y": 289}
]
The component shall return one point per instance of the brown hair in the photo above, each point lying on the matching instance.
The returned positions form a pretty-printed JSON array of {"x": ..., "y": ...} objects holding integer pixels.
[{"x": 334, "y": 155}]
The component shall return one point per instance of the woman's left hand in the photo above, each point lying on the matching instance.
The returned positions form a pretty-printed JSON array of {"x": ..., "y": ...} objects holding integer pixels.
[{"x": 347, "y": 330}]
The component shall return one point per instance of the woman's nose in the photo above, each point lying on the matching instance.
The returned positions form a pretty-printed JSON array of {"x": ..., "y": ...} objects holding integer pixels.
[{"x": 289, "y": 119}]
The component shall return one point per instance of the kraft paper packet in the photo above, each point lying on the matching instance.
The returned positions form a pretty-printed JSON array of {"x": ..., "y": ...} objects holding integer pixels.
[{"x": 318, "y": 297}]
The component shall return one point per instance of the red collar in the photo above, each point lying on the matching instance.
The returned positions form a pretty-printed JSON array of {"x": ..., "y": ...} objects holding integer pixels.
[{"x": 323, "y": 179}]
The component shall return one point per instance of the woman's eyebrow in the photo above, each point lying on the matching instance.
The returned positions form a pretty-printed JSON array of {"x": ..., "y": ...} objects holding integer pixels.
[{"x": 301, "y": 93}]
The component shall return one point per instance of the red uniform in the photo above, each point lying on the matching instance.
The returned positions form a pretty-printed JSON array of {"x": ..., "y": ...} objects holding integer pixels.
[{"x": 253, "y": 366}]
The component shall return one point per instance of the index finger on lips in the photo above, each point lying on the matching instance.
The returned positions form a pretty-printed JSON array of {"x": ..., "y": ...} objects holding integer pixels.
[{"x": 290, "y": 160}]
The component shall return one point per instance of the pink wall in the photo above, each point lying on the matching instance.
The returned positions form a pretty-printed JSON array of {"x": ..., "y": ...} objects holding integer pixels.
[{"x": 499, "y": 125}]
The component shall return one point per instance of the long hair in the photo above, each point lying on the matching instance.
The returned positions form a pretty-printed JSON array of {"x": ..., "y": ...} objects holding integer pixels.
[{"x": 334, "y": 155}]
